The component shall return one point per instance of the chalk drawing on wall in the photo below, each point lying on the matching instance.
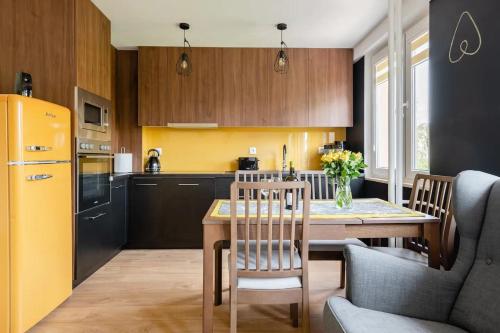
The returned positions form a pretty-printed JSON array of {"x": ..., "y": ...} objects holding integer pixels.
[{"x": 463, "y": 47}]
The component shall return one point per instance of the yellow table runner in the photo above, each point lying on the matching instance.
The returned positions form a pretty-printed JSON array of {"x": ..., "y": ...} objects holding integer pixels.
[{"x": 323, "y": 209}]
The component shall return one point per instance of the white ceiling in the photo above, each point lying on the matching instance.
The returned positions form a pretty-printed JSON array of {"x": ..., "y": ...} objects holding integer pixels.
[{"x": 242, "y": 23}]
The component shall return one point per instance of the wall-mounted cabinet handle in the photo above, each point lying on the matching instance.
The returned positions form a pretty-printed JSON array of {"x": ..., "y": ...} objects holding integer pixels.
[
  {"x": 146, "y": 184},
  {"x": 38, "y": 177},
  {"x": 119, "y": 186},
  {"x": 188, "y": 184},
  {"x": 93, "y": 218},
  {"x": 38, "y": 148}
]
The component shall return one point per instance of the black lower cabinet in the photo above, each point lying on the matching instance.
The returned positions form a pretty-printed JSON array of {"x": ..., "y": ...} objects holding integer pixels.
[
  {"x": 93, "y": 246},
  {"x": 167, "y": 213},
  {"x": 119, "y": 212},
  {"x": 101, "y": 232}
]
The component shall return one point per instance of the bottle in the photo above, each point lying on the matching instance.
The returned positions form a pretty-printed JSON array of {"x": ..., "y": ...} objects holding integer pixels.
[{"x": 292, "y": 177}]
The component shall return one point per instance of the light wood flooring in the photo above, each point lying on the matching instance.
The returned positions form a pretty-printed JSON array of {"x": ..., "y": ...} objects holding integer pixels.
[{"x": 161, "y": 291}]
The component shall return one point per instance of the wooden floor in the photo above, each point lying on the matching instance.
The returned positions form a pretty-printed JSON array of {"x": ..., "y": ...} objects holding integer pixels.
[{"x": 161, "y": 291}]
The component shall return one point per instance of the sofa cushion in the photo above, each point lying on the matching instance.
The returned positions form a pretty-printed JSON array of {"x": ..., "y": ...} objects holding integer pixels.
[
  {"x": 477, "y": 307},
  {"x": 404, "y": 254},
  {"x": 341, "y": 316}
]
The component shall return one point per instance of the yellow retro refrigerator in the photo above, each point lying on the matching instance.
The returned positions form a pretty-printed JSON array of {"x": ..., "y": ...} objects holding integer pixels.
[{"x": 35, "y": 210}]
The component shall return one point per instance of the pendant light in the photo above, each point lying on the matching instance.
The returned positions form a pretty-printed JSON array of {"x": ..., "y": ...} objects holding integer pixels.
[
  {"x": 184, "y": 66},
  {"x": 281, "y": 63}
]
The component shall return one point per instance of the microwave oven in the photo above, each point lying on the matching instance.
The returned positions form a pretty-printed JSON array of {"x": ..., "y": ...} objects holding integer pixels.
[{"x": 93, "y": 120}]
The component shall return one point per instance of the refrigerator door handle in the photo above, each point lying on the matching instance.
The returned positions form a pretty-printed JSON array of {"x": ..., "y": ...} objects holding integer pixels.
[
  {"x": 38, "y": 148},
  {"x": 38, "y": 177}
]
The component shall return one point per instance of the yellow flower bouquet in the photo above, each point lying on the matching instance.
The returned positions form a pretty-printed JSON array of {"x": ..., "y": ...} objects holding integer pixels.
[{"x": 342, "y": 167}]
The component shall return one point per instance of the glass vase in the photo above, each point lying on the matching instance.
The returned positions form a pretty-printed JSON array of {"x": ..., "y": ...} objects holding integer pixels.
[{"x": 343, "y": 194}]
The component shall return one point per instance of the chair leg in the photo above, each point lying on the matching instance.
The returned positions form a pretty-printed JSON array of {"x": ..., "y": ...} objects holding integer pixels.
[
  {"x": 305, "y": 314},
  {"x": 218, "y": 274},
  {"x": 233, "y": 308},
  {"x": 294, "y": 314},
  {"x": 342, "y": 273}
]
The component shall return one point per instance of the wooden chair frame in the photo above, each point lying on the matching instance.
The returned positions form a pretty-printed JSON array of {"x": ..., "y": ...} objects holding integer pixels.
[
  {"x": 322, "y": 185},
  {"x": 431, "y": 194},
  {"x": 255, "y": 176},
  {"x": 266, "y": 229}
]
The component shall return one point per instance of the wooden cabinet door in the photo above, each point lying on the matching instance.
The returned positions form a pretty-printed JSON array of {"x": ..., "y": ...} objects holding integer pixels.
[
  {"x": 256, "y": 68},
  {"x": 288, "y": 93},
  {"x": 201, "y": 89},
  {"x": 93, "y": 52},
  {"x": 231, "y": 110},
  {"x": 330, "y": 87},
  {"x": 160, "y": 87}
]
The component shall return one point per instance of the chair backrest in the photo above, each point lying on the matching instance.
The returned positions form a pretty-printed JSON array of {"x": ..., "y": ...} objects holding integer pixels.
[
  {"x": 256, "y": 176},
  {"x": 268, "y": 228},
  {"x": 476, "y": 202},
  {"x": 321, "y": 188},
  {"x": 432, "y": 195}
]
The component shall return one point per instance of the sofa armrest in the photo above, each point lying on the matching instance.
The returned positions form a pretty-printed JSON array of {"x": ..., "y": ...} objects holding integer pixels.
[{"x": 382, "y": 282}]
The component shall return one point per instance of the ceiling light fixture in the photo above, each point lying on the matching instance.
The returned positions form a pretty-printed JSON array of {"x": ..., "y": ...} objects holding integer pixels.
[
  {"x": 281, "y": 63},
  {"x": 184, "y": 66}
]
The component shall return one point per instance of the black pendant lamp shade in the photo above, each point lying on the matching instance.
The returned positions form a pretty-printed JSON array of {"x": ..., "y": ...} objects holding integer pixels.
[
  {"x": 281, "y": 63},
  {"x": 184, "y": 66}
]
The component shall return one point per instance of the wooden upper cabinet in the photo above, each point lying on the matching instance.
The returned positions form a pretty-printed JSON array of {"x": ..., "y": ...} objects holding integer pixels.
[
  {"x": 330, "y": 87},
  {"x": 201, "y": 89},
  {"x": 93, "y": 52},
  {"x": 288, "y": 93},
  {"x": 230, "y": 112},
  {"x": 245, "y": 95},
  {"x": 159, "y": 86},
  {"x": 255, "y": 77},
  {"x": 166, "y": 97},
  {"x": 238, "y": 87}
]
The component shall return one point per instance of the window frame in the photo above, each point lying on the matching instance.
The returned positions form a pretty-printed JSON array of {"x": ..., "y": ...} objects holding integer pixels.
[
  {"x": 381, "y": 173},
  {"x": 411, "y": 34},
  {"x": 372, "y": 172}
]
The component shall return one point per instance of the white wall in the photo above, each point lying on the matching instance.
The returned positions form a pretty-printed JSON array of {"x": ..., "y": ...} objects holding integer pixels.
[{"x": 413, "y": 11}]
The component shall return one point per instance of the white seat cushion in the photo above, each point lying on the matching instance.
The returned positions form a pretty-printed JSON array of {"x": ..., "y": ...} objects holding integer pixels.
[
  {"x": 333, "y": 245},
  {"x": 267, "y": 283},
  {"x": 404, "y": 254}
]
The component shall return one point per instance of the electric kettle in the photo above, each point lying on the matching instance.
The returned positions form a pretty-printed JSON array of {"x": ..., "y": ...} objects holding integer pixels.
[{"x": 153, "y": 163}]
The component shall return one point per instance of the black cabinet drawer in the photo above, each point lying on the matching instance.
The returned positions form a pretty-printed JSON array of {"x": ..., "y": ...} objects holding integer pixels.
[
  {"x": 167, "y": 213},
  {"x": 93, "y": 248}
]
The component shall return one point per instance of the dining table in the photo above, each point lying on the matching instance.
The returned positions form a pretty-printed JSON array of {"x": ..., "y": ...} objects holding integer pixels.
[{"x": 367, "y": 218}]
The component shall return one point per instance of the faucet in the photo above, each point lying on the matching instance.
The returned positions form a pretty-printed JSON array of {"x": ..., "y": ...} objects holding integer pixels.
[{"x": 284, "y": 158}]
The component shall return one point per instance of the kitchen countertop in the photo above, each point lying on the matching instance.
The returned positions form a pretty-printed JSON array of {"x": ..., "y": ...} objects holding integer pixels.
[{"x": 218, "y": 174}]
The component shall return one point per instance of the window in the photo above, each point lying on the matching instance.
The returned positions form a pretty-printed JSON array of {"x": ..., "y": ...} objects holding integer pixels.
[
  {"x": 417, "y": 96},
  {"x": 380, "y": 119},
  {"x": 416, "y": 90}
]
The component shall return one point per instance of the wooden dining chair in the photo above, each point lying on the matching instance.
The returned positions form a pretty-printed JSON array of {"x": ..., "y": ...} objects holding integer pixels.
[
  {"x": 265, "y": 266},
  {"x": 332, "y": 250},
  {"x": 256, "y": 176},
  {"x": 432, "y": 195}
]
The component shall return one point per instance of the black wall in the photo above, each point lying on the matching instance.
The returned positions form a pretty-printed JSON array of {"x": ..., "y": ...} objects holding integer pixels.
[
  {"x": 356, "y": 134},
  {"x": 464, "y": 101}
]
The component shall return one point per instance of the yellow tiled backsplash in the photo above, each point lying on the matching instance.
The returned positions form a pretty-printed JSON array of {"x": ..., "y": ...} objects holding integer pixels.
[{"x": 202, "y": 150}]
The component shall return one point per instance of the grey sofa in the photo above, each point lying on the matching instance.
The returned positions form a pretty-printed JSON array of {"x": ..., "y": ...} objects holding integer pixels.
[{"x": 389, "y": 294}]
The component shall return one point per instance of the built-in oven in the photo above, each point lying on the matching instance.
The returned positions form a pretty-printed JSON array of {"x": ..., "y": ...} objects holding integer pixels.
[
  {"x": 94, "y": 165},
  {"x": 94, "y": 172}
]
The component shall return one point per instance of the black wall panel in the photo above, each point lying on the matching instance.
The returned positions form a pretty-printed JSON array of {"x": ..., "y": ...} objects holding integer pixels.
[{"x": 464, "y": 101}]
